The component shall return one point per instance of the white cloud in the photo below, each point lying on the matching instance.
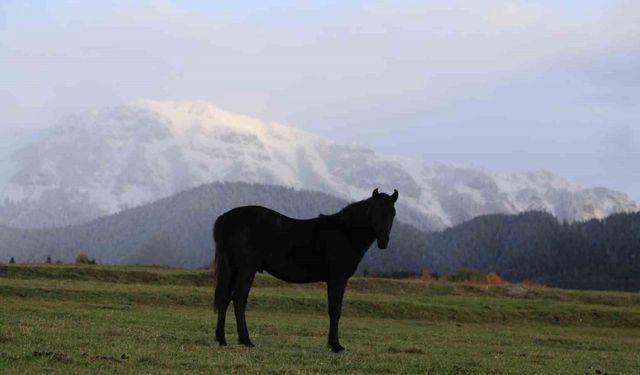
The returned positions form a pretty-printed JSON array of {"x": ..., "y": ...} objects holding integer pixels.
[{"x": 516, "y": 15}]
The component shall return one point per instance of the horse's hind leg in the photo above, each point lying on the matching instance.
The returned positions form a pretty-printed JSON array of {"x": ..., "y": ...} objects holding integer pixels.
[
  {"x": 222, "y": 299},
  {"x": 240, "y": 295},
  {"x": 335, "y": 289}
]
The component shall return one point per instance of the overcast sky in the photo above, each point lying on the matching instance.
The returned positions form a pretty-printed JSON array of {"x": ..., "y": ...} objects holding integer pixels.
[{"x": 504, "y": 85}]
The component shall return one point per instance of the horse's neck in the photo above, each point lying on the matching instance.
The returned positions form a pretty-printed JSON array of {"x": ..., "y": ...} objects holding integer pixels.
[
  {"x": 357, "y": 227},
  {"x": 361, "y": 241}
]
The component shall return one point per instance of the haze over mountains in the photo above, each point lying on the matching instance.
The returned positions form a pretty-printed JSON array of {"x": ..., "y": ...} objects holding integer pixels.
[{"x": 97, "y": 163}]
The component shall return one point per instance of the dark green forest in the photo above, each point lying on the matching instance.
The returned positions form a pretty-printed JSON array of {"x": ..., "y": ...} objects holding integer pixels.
[{"x": 598, "y": 254}]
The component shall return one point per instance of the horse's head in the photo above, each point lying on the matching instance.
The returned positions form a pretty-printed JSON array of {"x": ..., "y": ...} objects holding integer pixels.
[{"x": 382, "y": 212}]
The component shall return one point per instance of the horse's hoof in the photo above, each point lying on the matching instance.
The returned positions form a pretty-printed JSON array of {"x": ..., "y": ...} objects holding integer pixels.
[
  {"x": 247, "y": 344},
  {"x": 336, "y": 348},
  {"x": 222, "y": 342}
]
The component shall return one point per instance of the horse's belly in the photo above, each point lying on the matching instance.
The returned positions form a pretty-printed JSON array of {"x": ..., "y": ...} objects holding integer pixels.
[
  {"x": 297, "y": 268},
  {"x": 297, "y": 277}
]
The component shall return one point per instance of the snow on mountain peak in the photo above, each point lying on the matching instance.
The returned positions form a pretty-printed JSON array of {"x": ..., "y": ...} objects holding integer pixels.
[
  {"x": 103, "y": 161},
  {"x": 184, "y": 116}
]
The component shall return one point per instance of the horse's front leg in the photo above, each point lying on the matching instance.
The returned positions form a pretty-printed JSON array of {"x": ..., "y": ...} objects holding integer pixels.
[{"x": 335, "y": 289}]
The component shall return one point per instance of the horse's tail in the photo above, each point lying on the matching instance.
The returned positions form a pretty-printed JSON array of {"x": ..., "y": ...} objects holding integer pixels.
[
  {"x": 221, "y": 273},
  {"x": 217, "y": 240}
]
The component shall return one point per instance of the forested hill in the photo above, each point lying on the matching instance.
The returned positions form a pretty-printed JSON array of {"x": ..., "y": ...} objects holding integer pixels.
[
  {"x": 597, "y": 254},
  {"x": 177, "y": 230}
]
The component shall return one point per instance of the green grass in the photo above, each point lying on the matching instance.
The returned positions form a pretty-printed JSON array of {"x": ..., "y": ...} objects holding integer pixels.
[{"x": 104, "y": 319}]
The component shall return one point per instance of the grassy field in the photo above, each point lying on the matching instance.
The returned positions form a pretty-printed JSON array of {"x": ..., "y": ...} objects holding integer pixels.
[{"x": 96, "y": 319}]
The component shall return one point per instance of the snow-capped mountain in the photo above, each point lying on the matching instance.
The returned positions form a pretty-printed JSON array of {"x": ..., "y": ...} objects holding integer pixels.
[{"x": 101, "y": 162}]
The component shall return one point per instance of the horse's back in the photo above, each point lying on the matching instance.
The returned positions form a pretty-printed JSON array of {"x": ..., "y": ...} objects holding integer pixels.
[
  {"x": 256, "y": 211},
  {"x": 251, "y": 217},
  {"x": 256, "y": 225}
]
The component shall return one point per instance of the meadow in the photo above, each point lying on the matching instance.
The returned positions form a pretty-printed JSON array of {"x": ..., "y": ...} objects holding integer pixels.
[{"x": 156, "y": 320}]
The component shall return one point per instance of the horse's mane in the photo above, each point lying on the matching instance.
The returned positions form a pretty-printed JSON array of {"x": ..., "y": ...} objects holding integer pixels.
[{"x": 352, "y": 213}]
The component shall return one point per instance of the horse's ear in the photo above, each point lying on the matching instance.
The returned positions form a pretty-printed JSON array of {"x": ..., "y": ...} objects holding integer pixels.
[
  {"x": 394, "y": 196},
  {"x": 375, "y": 193}
]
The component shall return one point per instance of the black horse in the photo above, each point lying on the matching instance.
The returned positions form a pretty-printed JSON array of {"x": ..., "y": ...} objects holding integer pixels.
[{"x": 328, "y": 248}]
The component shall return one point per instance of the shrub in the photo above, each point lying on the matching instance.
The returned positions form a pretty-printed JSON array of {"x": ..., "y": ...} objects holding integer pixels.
[
  {"x": 493, "y": 278},
  {"x": 428, "y": 276},
  {"x": 471, "y": 276},
  {"x": 12, "y": 261},
  {"x": 532, "y": 283},
  {"x": 467, "y": 275},
  {"x": 82, "y": 258},
  {"x": 48, "y": 260}
]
